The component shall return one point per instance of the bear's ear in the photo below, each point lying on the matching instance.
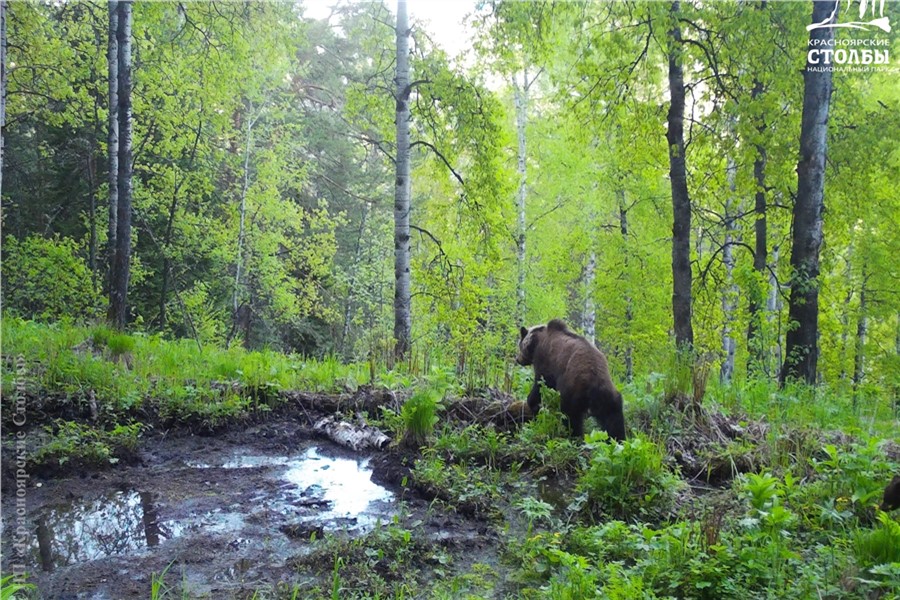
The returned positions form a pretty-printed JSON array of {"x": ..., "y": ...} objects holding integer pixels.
[
  {"x": 523, "y": 332},
  {"x": 557, "y": 325}
]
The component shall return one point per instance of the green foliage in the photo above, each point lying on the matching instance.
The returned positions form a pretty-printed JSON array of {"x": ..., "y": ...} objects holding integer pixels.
[
  {"x": 420, "y": 414},
  {"x": 627, "y": 479},
  {"x": 678, "y": 376},
  {"x": 120, "y": 344},
  {"x": 84, "y": 445},
  {"x": 879, "y": 545},
  {"x": 205, "y": 387},
  {"x": 46, "y": 279},
  {"x": 9, "y": 589},
  {"x": 383, "y": 563},
  {"x": 854, "y": 476},
  {"x": 264, "y": 222},
  {"x": 474, "y": 444},
  {"x": 471, "y": 489}
]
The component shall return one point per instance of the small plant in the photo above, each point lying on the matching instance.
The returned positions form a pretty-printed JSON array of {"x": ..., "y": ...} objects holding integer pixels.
[
  {"x": 100, "y": 336},
  {"x": 381, "y": 564},
  {"x": 9, "y": 588},
  {"x": 120, "y": 344},
  {"x": 855, "y": 474},
  {"x": 82, "y": 444},
  {"x": 879, "y": 545},
  {"x": 467, "y": 488},
  {"x": 627, "y": 479},
  {"x": 678, "y": 377},
  {"x": 420, "y": 415},
  {"x": 535, "y": 511}
]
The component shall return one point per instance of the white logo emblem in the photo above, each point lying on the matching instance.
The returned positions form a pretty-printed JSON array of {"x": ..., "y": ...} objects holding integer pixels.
[{"x": 881, "y": 22}]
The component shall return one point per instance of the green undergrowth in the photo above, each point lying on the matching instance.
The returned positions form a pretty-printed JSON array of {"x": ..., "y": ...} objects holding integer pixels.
[
  {"x": 741, "y": 491},
  {"x": 72, "y": 445},
  {"x": 391, "y": 561},
  {"x": 98, "y": 373}
]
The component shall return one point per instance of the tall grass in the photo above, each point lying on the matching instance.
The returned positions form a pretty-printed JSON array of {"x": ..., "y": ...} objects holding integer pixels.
[{"x": 74, "y": 363}]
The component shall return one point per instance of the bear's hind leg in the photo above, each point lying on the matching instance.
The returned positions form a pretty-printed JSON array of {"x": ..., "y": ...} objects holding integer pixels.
[
  {"x": 575, "y": 422},
  {"x": 534, "y": 398}
]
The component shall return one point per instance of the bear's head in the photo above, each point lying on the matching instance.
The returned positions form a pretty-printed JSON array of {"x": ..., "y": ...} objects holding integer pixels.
[{"x": 528, "y": 341}]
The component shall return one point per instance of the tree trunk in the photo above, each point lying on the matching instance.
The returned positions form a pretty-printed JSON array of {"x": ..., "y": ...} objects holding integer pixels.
[
  {"x": 681, "y": 202},
  {"x": 801, "y": 350},
  {"x": 356, "y": 437},
  {"x": 589, "y": 324},
  {"x": 730, "y": 297},
  {"x": 845, "y": 313},
  {"x": 774, "y": 304},
  {"x": 122, "y": 266},
  {"x": 92, "y": 217},
  {"x": 3, "y": 76},
  {"x": 520, "y": 97},
  {"x": 354, "y": 270},
  {"x": 862, "y": 329},
  {"x": 755, "y": 342},
  {"x": 402, "y": 293},
  {"x": 238, "y": 261},
  {"x": 167, "y": 239},
  {"x": 629, "y": 310},
  {"x": 112, "y": 139}
]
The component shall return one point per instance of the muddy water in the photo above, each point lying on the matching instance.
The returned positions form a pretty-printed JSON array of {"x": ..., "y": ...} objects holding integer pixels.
[{"x": 227, "y": 517}]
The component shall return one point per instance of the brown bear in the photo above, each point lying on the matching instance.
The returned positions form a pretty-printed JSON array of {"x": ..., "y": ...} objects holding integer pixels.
[
  {"x": 891, "y": 498},
  {"x": 573, "y": 366}
]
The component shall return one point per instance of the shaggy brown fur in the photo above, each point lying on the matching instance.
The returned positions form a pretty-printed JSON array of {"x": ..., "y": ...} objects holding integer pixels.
[
  {"x": 570, "y": 364},
  {"x": 891, "y": 498}
]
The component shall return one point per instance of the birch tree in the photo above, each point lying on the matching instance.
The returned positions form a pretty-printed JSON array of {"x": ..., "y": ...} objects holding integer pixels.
[
  {"x": 802, "y": 336},
  {"x": 730, "y": 294},
  {"x": 520, "y": 98},
  {"x": 402, "y": 293}
]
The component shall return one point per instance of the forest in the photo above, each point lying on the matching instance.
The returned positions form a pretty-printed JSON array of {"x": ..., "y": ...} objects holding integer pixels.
[{"x": 248, "y": 246}]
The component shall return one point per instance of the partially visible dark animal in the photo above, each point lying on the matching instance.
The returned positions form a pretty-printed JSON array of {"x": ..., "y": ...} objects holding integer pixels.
[
  {"x": 891, "y": 498},
  {"x": 568, "y": 363}
]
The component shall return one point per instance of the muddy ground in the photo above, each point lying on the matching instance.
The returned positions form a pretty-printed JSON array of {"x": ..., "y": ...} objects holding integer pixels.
[{"x": 226, "y": 515}]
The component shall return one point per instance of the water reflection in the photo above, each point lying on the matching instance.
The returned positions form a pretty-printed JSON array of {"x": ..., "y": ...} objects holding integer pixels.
[
  {"x": 311, "y": 490},
  {"x": 113, "y": 524},
  {"x": 345, "y": 485}
]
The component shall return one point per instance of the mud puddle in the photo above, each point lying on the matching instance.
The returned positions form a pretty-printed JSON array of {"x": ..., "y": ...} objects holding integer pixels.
[{"x": 218, "y": 515}]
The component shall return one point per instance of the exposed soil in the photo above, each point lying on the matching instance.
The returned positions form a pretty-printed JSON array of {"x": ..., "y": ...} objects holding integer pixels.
[{"x": 225, "y": 514}]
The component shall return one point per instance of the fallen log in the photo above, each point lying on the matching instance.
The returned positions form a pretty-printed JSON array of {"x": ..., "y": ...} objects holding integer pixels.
[
  {"x": 503, "y": 414},
  {"x": 355, "y": 437}
]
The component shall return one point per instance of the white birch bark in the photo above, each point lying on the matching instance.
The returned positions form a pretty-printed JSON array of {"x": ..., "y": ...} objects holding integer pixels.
[
  {"x": 520, "y": 99},
  {"x": 402, "y": 293},
  {"x": 590, "y": 310},
  {"x": 774, "y": 305},
  {"x": 862, "y": 329},
  {"x": 730, "y": 295}
]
